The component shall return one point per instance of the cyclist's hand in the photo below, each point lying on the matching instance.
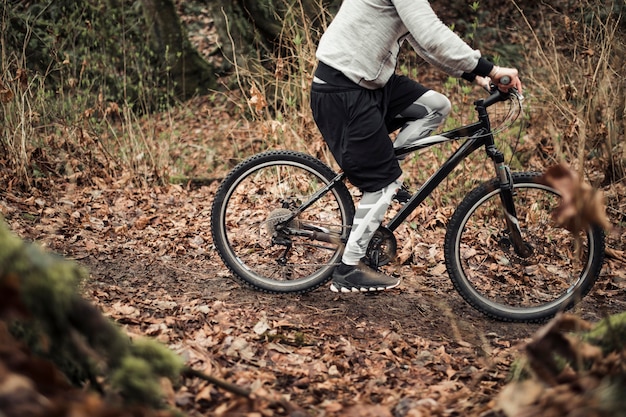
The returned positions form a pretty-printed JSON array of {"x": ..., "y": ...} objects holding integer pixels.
[
  {"x": 484, "y": 82},
  {"x": 497, "y": 73}
]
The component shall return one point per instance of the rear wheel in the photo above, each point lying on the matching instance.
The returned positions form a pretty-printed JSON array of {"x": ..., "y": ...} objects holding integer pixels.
[
  {"x": 485, "y": 269},
  {"x": 255, "y": 231}
]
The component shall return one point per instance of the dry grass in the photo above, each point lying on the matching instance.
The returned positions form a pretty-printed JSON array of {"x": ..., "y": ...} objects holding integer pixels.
[
  {"x": 579, "y": 84},
  {"x": 576, "y": 100}
]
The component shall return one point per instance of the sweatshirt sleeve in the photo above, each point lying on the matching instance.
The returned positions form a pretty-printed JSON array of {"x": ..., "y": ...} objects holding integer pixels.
[{"x": 437, "y": 44}]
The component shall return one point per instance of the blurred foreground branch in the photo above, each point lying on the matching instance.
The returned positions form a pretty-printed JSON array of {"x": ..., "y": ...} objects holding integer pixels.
[
  {"x": 52, "y": 341},
  {"x": 572, "y": 369}
]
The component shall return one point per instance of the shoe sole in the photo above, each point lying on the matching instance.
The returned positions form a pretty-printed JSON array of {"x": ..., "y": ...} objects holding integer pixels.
[{"x": 342, "y": 289}]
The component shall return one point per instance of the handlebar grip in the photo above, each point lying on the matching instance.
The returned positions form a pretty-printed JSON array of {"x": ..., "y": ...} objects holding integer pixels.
[{"x": 505, "y": 80}]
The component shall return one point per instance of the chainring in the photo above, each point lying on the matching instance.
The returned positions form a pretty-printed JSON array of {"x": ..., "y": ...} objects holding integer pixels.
[{"x": 381, "y": 249}]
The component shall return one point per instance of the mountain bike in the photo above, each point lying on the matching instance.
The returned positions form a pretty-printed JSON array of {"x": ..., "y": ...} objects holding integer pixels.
[{"x": 280, "y": 220}]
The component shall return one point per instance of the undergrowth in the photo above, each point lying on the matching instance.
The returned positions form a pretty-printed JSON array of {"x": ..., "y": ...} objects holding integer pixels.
[
  {"x": 579, "y": 54},
  {"x": 74, "y": 78},
  {"x": 78, "y": 93}
]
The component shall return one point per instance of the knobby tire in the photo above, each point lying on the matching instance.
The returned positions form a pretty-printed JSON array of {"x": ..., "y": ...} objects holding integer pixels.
[{"x": 490, "y": 276}]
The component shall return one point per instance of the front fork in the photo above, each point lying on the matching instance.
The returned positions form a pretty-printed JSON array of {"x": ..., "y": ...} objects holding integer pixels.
[{"x": 507, "y": 191}]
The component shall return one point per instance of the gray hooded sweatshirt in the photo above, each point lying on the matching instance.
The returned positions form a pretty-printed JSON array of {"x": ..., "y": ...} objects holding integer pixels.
[{"x": 364, "y": 38}]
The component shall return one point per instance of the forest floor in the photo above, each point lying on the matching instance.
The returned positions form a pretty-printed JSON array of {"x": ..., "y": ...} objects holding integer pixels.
[{"x": 418, "y": 350}]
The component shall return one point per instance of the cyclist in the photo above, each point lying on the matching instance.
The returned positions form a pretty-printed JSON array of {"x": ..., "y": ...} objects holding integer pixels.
[{"x": 357, "y": 99}]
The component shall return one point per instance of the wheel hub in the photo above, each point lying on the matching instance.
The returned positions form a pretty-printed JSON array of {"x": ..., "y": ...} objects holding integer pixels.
[{"x": 507, "y": 247}]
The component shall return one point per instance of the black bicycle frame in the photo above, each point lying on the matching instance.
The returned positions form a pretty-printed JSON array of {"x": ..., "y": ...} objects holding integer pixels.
[{"x": 477, "y": 135}]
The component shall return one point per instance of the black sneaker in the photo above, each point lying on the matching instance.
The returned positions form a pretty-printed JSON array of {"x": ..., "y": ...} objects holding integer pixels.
[
  {"x": 403, "y": 195},
  {"x": 361, "y": 279}
]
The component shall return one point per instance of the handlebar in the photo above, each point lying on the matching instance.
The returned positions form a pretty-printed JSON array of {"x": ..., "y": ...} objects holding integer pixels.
[{"x": 498, "y": 96}]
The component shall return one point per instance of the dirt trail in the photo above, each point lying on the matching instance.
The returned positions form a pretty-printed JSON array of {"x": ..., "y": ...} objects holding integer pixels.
[{"x": 153, "y": 269}]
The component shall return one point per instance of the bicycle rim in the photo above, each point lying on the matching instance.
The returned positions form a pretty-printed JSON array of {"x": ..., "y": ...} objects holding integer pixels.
[
  {"x": 493, "y": 278},
  {"x": 253, "y": 203}
]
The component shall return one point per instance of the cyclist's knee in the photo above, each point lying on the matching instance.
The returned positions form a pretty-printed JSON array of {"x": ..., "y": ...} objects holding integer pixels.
[
  {"x": 430, "y": 105},
  {"x": 436, "y": 103}
]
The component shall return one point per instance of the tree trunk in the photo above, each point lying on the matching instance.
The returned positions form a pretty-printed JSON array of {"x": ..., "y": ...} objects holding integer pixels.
[
  {"x": 185, "y": 67},
  {"x": 253, "y": 28}
]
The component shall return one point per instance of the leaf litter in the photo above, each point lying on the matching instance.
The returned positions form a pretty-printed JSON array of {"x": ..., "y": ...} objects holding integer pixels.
[
  {"x": 415, "y": 351},
  {"x": 418, "y": 351}
]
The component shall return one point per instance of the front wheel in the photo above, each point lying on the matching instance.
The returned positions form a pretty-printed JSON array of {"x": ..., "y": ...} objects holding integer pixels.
[
  {"x": 486, "y": 270},
  {"x": 274, "y": 228}
]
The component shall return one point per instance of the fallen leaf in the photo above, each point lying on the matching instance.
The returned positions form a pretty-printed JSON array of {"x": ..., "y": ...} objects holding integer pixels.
[{"x": 580, "y": 205}]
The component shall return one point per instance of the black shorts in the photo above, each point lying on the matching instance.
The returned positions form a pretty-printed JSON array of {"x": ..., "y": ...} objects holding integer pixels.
[{"x": 355, "y": 123}]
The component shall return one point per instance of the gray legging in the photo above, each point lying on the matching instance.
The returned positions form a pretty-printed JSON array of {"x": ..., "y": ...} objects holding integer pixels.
[
  {"x": 369, "y": 214},
  {"x": 428, "y": 113}
]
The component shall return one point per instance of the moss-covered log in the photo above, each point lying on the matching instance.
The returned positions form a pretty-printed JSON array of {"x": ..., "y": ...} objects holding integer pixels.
[
  {"x": 40, "y": 297},
  {"x": 73, "y": 342}
]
